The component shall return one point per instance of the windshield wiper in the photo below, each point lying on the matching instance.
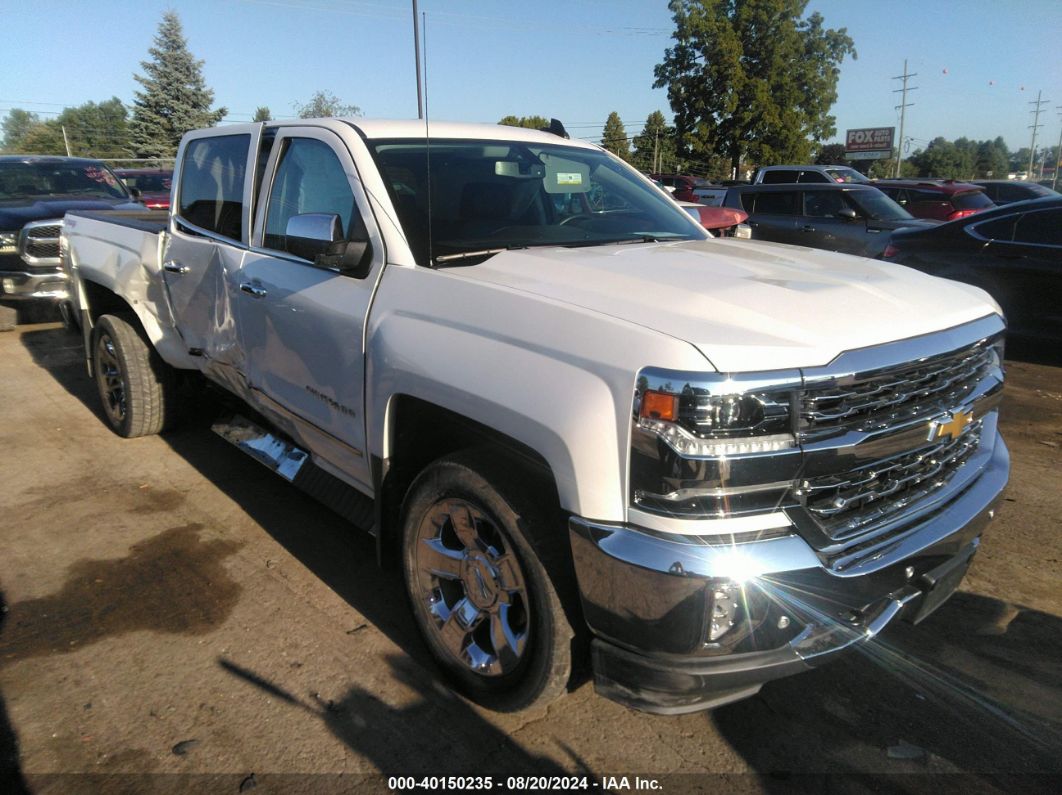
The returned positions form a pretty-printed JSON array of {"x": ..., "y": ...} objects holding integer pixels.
[{"x": 444, "y": 259}]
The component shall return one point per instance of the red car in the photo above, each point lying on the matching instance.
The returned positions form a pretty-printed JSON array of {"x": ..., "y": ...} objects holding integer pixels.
[
  {"x": 936, "y": 199},
  {"x": 153, "y": 185}
]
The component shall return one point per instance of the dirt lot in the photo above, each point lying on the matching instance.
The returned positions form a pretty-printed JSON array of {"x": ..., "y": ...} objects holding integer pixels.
[{"x": 177, "y": 618}]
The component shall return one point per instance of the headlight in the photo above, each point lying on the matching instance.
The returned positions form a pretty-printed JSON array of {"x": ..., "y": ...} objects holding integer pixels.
[
  {"x": 712, "y": 446},
  {"x": 8, "y": 242}
]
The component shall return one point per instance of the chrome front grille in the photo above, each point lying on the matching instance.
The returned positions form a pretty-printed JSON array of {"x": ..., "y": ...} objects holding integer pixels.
[
  {"x": 850, "y": 504},
  {"x": 39, "y": 242},
  {"x": 882, "y": 399}
]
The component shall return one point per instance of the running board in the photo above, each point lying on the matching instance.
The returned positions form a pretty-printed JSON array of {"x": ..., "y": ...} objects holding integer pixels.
[{"x": 297, "y": 467}]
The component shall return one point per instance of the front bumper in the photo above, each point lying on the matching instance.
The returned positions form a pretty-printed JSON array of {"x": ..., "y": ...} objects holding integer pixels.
[
  {"x": 20, "y": 285},
  {"x": 648, "y": 600}
]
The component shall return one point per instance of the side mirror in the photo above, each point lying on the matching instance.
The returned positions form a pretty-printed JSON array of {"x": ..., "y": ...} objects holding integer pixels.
[
  {"x": 848, "y": 214},
  {"x": 310, "y": 234},
  {"x": 134, "y": 193}
]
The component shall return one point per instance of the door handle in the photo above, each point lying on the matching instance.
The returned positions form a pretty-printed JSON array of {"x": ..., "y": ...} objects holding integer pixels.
[
  {"x": 174, "y": 267},
  {"x": 254, "y": 290},
  {"x": 808, "y": 228}
]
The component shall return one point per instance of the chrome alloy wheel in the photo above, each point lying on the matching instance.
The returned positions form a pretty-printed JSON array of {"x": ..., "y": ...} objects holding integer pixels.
[
  {"x": 472, "y": 586},
  {"x": 109, "y": 379}
]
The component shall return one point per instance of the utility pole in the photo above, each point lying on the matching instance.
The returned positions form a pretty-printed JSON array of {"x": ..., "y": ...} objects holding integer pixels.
[
  {"x": 66, "y": 142},
  {"x": 1034, "y": 126},
  {"x": 416, "y": 54},
  {"x": 656, "y": 154},
  {"x": 902, "y": 107},
  {"x": 1058, "y": 151}
]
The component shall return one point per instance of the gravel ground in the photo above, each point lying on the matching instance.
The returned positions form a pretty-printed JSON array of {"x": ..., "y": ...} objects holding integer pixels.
[{"x": 176, "y": 618}]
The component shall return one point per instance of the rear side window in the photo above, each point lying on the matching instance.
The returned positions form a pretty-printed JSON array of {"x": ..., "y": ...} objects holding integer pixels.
[
  {"x": 1042, "y": 228},
  {"x": 781, "y": 176},
  {"x": 211, "y": 190},
  {"x": 780, "y": 203},
  {"x": 971, "y": 200},
  {"x": 997, "y": 229},
  {"x": 813, "y": 176}
]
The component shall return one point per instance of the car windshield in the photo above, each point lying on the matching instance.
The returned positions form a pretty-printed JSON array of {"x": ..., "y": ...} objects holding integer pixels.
[
  {"x": 843, "y": 174},
  {"x": 481, "y": 197},
  {"x": 877, "y": 206},
  {"x": 972, "y": 200},
  {"x": 31, "y": 181}
]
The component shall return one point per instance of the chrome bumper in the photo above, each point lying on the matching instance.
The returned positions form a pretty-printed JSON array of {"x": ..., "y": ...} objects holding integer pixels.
[
  {"x": 648, "y": 599},
  {"x": 18, "y": 285}
]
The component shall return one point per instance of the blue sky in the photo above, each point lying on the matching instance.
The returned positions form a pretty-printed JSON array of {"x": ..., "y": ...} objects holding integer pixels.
[{"x": 979, "y": 63}]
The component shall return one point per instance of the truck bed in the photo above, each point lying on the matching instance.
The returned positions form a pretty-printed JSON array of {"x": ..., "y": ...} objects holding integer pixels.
[{"x": 153, "y": 221}]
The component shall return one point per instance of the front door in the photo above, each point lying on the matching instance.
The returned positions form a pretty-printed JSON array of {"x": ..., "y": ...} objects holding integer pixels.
[{"x": 302, "y": 325}]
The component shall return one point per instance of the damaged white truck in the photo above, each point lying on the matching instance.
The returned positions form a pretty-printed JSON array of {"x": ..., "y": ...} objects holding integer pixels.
[{"x": 579, "y": 426}]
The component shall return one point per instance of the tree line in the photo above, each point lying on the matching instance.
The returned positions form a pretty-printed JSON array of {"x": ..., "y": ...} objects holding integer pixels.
[{"x": 172, "y": 100}]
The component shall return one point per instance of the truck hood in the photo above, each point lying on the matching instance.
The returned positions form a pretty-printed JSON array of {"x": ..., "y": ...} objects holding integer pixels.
[
  {"x": 745, "y": 305},
  {"x": 14, "y": 216}
]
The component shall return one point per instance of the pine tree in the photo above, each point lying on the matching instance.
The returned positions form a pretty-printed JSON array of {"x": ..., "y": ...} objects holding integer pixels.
[
  {"x": 654, "y": 145},
  {"x": 175, "y": 98},
  {"x": 262, "y": 114},
  {"x": 615, "y": 137}
]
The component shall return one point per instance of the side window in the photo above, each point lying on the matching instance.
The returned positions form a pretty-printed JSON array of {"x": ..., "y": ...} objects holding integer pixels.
[
  {"x": 781, "y": 176},
  {"x": 777, "y": 203},
  {"x": 898, "y": 195},
  {"x": 309, "y": 179},
  {"x": 748, "y": 202},
  {"x": 823, "y": 203},
  {"x": 211, "y": 189},
  {"x": 997, "y": 228},
  {"x": 1042, "y": 228},
  {"x": 812, "y": 176}
]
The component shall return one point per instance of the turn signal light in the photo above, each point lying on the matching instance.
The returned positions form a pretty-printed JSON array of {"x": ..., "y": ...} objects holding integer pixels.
[{"x": 659, "y": 406}]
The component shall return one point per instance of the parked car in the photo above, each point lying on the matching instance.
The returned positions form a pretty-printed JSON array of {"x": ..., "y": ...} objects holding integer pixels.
[
  {"x": 681, "y": 186},
  {"x": 574, "y": 423},
  {"x": 773, "y": 175},
  {"x": 940, "y": 200},
  {"x": 35, "y": 192},
  {"x": 1006, "y": 191},
  {"x": 1014, "y": 252},
  {"x": 855, "y": 219},
  {"x": 151, "y": 184}
]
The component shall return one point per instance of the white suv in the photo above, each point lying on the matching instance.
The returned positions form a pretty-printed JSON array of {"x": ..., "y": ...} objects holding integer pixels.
[{"x": 772, "y": 175}]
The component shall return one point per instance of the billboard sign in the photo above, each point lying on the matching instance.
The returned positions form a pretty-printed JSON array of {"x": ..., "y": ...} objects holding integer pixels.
[{"x": 869, "y": 143}]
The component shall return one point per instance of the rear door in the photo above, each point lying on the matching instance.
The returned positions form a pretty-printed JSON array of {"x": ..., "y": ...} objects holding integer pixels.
[
  {"x": 302, "y": 324},
  {"x": 773, "y": 215},
  {"x": 822, "y": 227},
  {"x": 209, "y": 231}
]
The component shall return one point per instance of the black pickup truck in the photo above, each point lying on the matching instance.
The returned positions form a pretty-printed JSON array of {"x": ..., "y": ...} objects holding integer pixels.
[{"x": 35, "y": 193}]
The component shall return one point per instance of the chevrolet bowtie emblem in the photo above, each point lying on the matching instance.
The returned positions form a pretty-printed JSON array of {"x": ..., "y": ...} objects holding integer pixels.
[{"x": 951, "y": 427}]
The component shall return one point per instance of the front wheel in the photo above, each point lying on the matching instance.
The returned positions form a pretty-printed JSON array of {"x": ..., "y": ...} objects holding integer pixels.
[
  {"x": 473, "y": 547},
  {"x": 136, "y": 387}
]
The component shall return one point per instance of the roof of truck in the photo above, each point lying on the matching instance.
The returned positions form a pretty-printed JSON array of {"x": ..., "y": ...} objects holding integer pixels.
[{"x": 415, "y": 129}]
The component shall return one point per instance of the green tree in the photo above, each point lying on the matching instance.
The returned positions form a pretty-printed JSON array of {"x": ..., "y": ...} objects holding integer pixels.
[
  {"x": 654, "y": 145},
  {"x": 530, "y": 122},
  {"x": 97, "y": 130},
  {"x": 324, "y": 104},
  {"x": 16, "y": 125},
  {"x": 262, "y": 114},
  {"x": 44, "y": 139},
  {"x": 1019, "y": 161},
  {"x": 614, "y": 137},
  {"x": 831, "y": 155},
  {"x": 752, "y": 79},
  {"x": 992, "y": 159},
  {"x": 174, "y": 99}
]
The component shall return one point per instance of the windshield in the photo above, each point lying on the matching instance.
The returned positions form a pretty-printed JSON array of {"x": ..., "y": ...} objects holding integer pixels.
[
  {"x": 148, "y": 183},
  {"x": 972, "y": 200},
  {"x": 877, "y": 206},
  {"x": 488, "y": 196},
  {"x": 844, "y": 174},
  {"x": 33, "y": 181}
]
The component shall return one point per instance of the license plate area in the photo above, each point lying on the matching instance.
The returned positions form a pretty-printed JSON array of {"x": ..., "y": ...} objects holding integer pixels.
[{"x": 940, "y": 583}]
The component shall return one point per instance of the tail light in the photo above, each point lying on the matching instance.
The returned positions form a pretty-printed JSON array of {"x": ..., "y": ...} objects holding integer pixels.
[
  {"x": 890, "y": 251},
  {"x": 961, "y": 214}
]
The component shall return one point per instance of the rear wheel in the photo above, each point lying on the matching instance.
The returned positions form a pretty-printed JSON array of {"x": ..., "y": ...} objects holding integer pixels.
[
  {"x": 136, "y": 387},
  {"x": 486, "y": 605}
]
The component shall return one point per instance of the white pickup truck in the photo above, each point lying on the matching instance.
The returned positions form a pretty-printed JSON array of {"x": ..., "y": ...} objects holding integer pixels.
[{"x": 573, "y": 420}]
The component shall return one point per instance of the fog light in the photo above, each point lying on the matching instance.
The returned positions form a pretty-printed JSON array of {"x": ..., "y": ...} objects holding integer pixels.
[
  {"x": 725, "y": 605},
  {"x": 9, "y": 285}
]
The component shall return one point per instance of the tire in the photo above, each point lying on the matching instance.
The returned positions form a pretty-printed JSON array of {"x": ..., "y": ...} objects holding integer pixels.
[
  {"x": 484, "y": 563},
  {"x": 137, "y": 388}
]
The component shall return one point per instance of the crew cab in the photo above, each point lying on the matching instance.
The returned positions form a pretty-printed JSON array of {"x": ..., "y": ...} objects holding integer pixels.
[
  {"x": 35, "y": 192},
  {"x": 575, "y": 423}
]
